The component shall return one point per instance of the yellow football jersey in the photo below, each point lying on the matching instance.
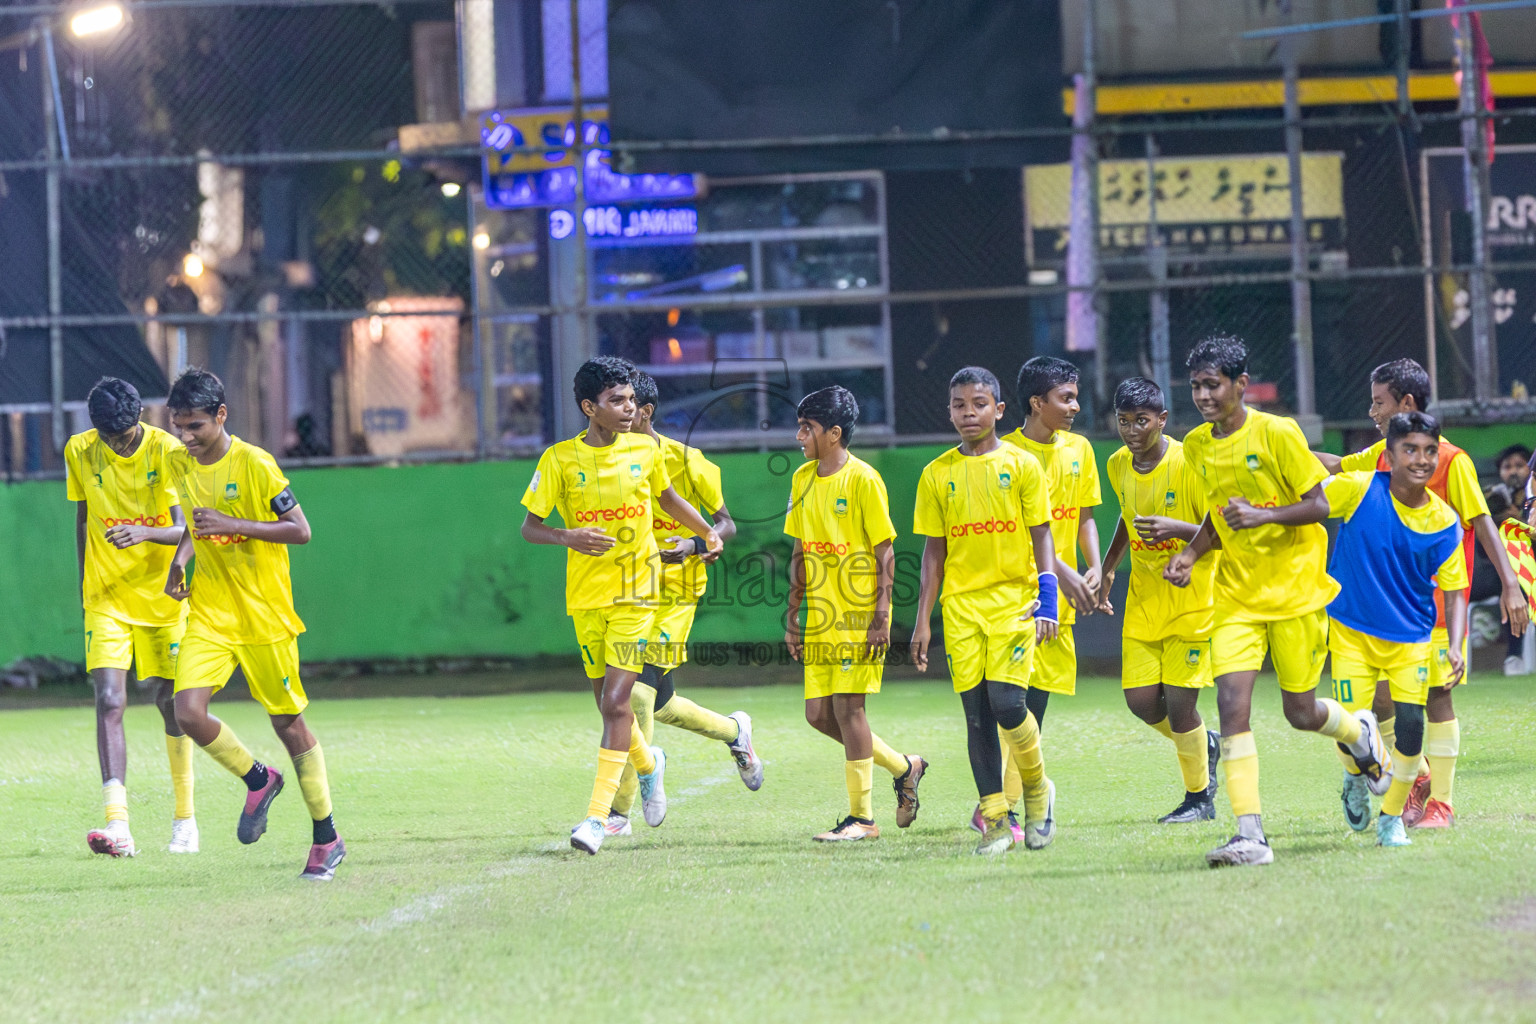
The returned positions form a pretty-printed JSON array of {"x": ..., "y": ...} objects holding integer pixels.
[
  {"x": 1156, "y": 609},
  {"x": 1345, "y": 492},
  {"x": 983, "y": 507},
  {"x": 697, "y": 481},
  {"x": 839, "y": 520},
  {"x": 1271, "y": 572},
  {"x": 128, "y": 583},
  {"x": 1461, "y": 489},
  {"x": 610, "y": 489},
  {"x": 241, "y": 591},
  {"x": 1071, "y": 484}
]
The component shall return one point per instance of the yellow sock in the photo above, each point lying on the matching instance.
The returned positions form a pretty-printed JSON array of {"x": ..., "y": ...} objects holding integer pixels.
[
  {"x": 114, "y": 797},
  {"x": 642, "y": 699},
  {"x": 1194, "y": 757},
  {"x": 1341, "y": 725},
  {"x": 640, "y": 751},
  {"x": 1347, "y": 760},
  {"x": 310, "y": 768},
  {"x": 1165, "y": 730},
  {"x": 859, "y": 776},
  {"x": 227, "y": 749},
  {"x": 685, "y": 714},
  {"x": 179, "y": 750},
  {"x": 1024, "y": 746},
  {"x": 887, "y": 758},
  {"x": 610, "y": 766},
  {"x": 1405, "y": 770},
  {"x": 1013, "y": 785},
  {"x": 1240, "y": 755},
  {"x": 1442, "y": 745},
  {"x": 1388, "y": 729},
  {"x": 993, "y": 806}
]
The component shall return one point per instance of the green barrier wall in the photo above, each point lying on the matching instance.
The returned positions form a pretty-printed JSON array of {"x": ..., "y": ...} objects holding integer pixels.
[{"x": 426, "y": 561}]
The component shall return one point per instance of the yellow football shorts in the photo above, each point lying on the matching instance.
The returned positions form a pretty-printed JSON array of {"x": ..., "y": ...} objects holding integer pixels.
[
  {"x": 1001, "y": 652},
  {"x": 840, "y": 668},
  {"x": 1439, "y": 658},
  {"x": 666, "y": 645},
  {"x": 1056, "y": 664},
  {"x": 1172, "y": 661},
  {"x": 1360, "y": 659},
  {"x": 151, "y": 650},
  {"x": 1297, "y": 647},
  {"x": 271, "y": 670},
  {"x": 615, "y": 636}
]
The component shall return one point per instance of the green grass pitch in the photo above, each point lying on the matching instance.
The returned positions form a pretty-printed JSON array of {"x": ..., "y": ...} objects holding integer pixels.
[{"x": 461, "y": 900}]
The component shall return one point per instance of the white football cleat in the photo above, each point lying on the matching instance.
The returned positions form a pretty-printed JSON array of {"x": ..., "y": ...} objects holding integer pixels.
[
  {"x": 747, "y": 762},
  {"x": 114, "y": 840},
  {"x": 588, "y": 835},
  {"x": 1038, "y": 834},
  {"x": 183, "y": 835},
  {"x": 618, "y": 825},
  {"x": 653, "y": 796}
]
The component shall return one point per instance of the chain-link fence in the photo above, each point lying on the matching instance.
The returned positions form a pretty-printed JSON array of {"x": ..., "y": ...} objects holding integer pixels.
[{"x": 234, "y": 186}]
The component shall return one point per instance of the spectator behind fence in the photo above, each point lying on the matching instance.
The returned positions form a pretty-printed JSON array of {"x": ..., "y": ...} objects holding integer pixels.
[
  {"x": 1504, "y": 502},
  {"x": 1513, "y": 466}
]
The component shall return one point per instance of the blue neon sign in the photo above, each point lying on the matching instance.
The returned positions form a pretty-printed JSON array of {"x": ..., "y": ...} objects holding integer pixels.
[{"x": 638, "y": 222}]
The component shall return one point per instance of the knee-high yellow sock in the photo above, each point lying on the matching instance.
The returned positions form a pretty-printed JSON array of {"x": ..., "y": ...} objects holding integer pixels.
[
  {"x": 640, "y": 751},
  {"x": 886, "y": 757},
  {"x": 227, "y": 749},
  {"x": 860, "y": 778},
  {"x": 642, "y": 702},
  {"x": 114, "y": 799},
  {"x": 610, "y": 766},
  {"x": 1013, "y": 785},
  {"x": 993, "y": 806},
  {"x": 1388, "y": 729},
  {"x": 1194, "y": 758},
  {"x": 313, "y": 783},
  {"x": 178, "y": 750},
  {"x": 1165, "y": 730},
  {"x": 1405, "y": 770},
  {"x": 1341, "y": 725},
  {"x": 1240, "y": 756},
  {"x": 685, "y": 714},
  {"x": 1442, "y": 745},
  {"x": 1024, "y": 746}
]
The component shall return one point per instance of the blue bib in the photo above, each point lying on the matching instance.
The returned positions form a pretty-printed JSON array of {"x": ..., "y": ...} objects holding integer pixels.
[{"x": 1386, "y": 570}]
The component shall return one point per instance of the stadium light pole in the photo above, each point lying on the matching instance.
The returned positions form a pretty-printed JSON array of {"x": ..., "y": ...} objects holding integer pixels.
[{"x": 1301, "y": 285}]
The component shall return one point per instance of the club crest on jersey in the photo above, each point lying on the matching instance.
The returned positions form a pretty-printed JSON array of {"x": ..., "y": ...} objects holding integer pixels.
[
  {"x": 581, "y": 478},
  {"x": 1192, "y": 656},
  {"x": 98, "y": 479},
  {"x": 1076, "y": 471},
  {"x": 1423, "y": 673},
  {"x": 841, "y": 508},
  {"x": 1004, "y": 481},
  {"x": 1018, "y": 652},
  {"x": 533, "y": 485},
  {"x": 1168, "y": 500},
  {"x": 231, "y": 491},
  {"x": 847, "y": 664},
  {"x": 634, "y": 471},
  {"x": 154, "y": 475},
  {"x": 1253, "y": 463}
]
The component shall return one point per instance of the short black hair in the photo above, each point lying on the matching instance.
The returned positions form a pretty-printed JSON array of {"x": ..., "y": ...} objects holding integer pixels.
[
  {"x": 977, "y": 375},
  {"x": 1405, "y": 423},
  {"x": 196, "y": 391},
  {"x": 1222, "y": 352},
  {"x": 1039, "y": 375},
  {"x": 645, "y": 391},
  {"x": 600, "y": 373},
  {"x": 1514, "y": 449},
  {"x": 831, "y": 407},
  {"x": 1500, "y": 500},
  {"x": 1139, "y": 393},
  {"x": 1404, "y": 377},
  {"x": 114, "y": 405}
]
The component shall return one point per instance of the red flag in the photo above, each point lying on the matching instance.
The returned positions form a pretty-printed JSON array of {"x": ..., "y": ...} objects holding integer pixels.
[{"x": 1482, "y": 57}]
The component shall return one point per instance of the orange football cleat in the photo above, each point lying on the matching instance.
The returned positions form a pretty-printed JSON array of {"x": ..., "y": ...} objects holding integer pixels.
[{"x": 1437, "y": 814}]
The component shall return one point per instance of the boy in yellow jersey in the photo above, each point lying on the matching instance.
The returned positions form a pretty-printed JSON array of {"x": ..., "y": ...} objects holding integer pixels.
[
  {"x": 1399, "y": 543},
  {"x": 1264, "y": 495},
  {"x": 842, "y": 569},
  {"x": 603, "y": 483},
  {"x": 244, "y": 516},
  {"x": 982, "y": 507},
  {"x": 1165, "y": 652},
  {"x": 127, "y": 522},
  {"x": 654, "y": 696},
  {"x": 1398, "y": 387},
  {"x": 1047, "y": 392}
]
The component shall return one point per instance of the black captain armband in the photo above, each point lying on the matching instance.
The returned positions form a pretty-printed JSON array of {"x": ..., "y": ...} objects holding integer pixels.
[
  {"x": 700, "y": 545},
  {"x": 284, "y": 502}
]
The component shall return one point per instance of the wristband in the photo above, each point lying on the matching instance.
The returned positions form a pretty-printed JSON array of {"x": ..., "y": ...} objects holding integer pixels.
[
  {"x": 1047, "y": 608},
  {"x": 699, "y": 547}
]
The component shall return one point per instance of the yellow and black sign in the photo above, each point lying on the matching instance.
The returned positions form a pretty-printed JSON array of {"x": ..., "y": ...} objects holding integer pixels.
[{"x": 1205, "y": 206}]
